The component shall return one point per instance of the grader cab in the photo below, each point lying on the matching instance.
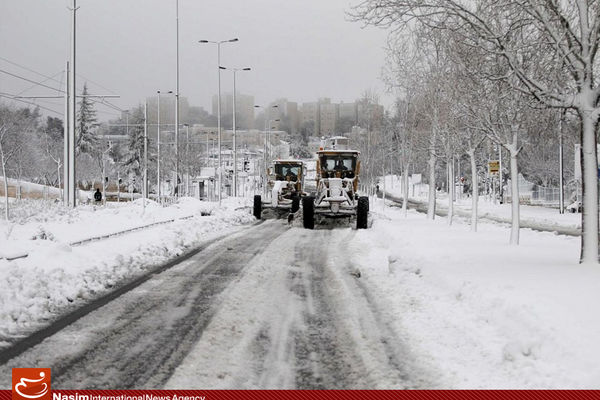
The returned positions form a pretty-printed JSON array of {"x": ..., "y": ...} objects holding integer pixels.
[{"x": 285, "y": 185}]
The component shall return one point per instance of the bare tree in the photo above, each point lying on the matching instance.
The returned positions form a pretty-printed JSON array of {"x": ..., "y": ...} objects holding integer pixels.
[
  {"x": 537, "y": 39},
  {"x": 15, "y": 125}
]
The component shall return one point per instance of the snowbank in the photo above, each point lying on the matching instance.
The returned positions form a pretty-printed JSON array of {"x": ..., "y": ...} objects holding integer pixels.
[
  {"x": 479, "y": 312},
  {"x": 57, "y": 276},
  {"x": 545, "y": 218}
]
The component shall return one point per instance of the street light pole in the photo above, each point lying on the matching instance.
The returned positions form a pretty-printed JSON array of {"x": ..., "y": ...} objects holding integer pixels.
[
  {"x": 177, "y": 101},
  {"x": 145, "y": 175},
  {"x": 235, "y": 132},
  {"x": 66, "y": 135},
  {"x": 158, "y": 148},
  {"x": 72, "y": 93},
  {"x": 158, "y": 145},
  {"x": 187, "y": 159},
  {"x": 218, "y": 43},
  {"x": 267, "y": 121}
]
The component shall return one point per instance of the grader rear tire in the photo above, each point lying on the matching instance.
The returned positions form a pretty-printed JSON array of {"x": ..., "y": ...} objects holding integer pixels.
[
  {"x": 308, "y": 212},
  {"x": 257, "y": 206},
  {"x": 362, "y": 212},
  {"x": 295, "y": 203}
]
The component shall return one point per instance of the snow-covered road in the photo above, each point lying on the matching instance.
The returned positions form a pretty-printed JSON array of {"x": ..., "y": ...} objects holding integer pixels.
[
  {"x": 271, "y": 306},
  {"x": 408, "y": 303}
]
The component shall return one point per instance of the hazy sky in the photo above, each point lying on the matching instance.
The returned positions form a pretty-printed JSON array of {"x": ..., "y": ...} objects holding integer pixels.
[{"x": 299, "y": 49}]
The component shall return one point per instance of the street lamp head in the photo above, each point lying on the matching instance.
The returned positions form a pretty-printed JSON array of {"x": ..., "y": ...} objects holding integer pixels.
[
  {"x": 246, "y": 69},
  {"x": 220, "y": 67},
  {"x": 256, "y": 106},
  {"x": 275, "y": 106},
  {"x": 202, "y": 41},
  {"x": 233, "y": 40},
  {"x": 170, "y": 91}
]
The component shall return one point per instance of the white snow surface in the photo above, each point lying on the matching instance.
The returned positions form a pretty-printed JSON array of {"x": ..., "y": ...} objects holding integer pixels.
[
  {"x": 474, "y": 311},
  {"x": 480, "y": 312},
  {"x": 545, "y": 217},
  {"x": 55, "y": 277}
]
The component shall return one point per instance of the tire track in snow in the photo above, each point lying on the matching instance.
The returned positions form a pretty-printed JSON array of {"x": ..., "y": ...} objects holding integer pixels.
[
  {"x": 332, "y": 334},
  {"x": 139, "y": 339}
]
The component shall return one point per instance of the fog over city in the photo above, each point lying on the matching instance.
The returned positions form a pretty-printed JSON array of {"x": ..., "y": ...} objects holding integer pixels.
[{"x": 301, "y": 50}]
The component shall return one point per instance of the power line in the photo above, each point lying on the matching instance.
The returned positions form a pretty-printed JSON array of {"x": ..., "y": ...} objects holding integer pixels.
[
  {"x": 31, "y": 87},
  {"x": 101, "y": 102},
  {"x": 95, "y": 83},
  {"x": 30, "y": 70},
  {"x": 53, "y": 78},
  {"x": 29, "y": 80},
  {"x": 10, "y": 96}
]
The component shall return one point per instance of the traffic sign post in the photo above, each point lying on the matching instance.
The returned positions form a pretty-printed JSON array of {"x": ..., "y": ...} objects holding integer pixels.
[{"x": 494, "y": 167}]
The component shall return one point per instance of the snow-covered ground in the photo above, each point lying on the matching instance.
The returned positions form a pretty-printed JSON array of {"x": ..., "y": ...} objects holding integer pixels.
[
  {"x": 57, "y": 275},
  {"x": 545, "y": 217},
  {"x": 467, "y": 309},
  {"x": 480, "y": 312},
  {"x": 435, "y": 306}
]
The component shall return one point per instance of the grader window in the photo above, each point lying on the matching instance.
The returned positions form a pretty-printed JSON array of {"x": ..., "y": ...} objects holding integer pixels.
[
  {"x": 343, "y": 165},
  {"x": 285, "y": 171}
]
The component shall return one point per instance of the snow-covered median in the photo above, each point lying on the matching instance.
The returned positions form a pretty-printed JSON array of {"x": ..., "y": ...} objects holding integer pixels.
[
  {"x": 57, "y": 276},
  {"x": 480, "y": 312}
]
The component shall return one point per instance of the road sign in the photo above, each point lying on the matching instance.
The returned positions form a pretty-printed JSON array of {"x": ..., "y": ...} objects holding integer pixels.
[{"x": 494, "y": 167}]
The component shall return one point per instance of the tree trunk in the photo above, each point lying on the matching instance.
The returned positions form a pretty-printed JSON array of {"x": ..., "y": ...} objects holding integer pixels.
[
  {"x": 451, "y": 189},
  {"x": 405, "y": 190},
  {"x": 5, "y": 188},
  {"x": 60, "y": 191},
  {"x": 514, "y": 181},
  {"x": 474, "y": 191},
  {"x": 431, "y": 205},
  {"x": 589, "y": 166}
]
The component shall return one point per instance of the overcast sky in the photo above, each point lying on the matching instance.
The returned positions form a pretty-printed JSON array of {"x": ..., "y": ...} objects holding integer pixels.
[{"x": 299, "y": 49}]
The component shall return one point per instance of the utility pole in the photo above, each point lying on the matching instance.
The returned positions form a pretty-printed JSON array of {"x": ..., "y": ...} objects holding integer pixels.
[
  {"x": 219, "y": 121},
  {"x": 187, "y": 159},
  {"x": 177, "y": 101},
  {"x": 66, "y": 134},
  {"x": 234, "y": 141},
  {"x": 235, "y": 174},
  {"x": 219, "y": 68},
  {"x": 145, "y": 175},
  {"x": 72, "y": 191},
  {"x": 158, "y": 149}
]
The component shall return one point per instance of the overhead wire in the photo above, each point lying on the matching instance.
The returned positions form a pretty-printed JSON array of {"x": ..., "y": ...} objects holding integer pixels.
[
  {"x": 29, "y": 69},
  {"x": 31, "y": 81},
  {"x": 37, "y": 84},
  {"x": 12, "y": 97},
  {"x": 60, "y": 82}
]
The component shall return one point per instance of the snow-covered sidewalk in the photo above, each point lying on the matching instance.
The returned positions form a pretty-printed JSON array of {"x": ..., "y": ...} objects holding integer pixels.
[
  {"x": 544, "y": 218},
  {"x": 57, "y": 276},
  {"x": 479, "y": 312}
]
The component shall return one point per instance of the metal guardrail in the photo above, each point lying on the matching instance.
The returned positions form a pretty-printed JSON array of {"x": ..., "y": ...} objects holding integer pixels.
[{"x": 108, "y": 235}]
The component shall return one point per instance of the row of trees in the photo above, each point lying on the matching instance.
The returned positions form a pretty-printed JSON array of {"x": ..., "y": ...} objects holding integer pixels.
[
  {"x": 513, "y": 73},
  {"x": 32, "y": 149}
]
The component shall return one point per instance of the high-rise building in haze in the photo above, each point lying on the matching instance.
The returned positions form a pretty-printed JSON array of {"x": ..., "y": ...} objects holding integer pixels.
[{"x": 244, "y": 110}]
